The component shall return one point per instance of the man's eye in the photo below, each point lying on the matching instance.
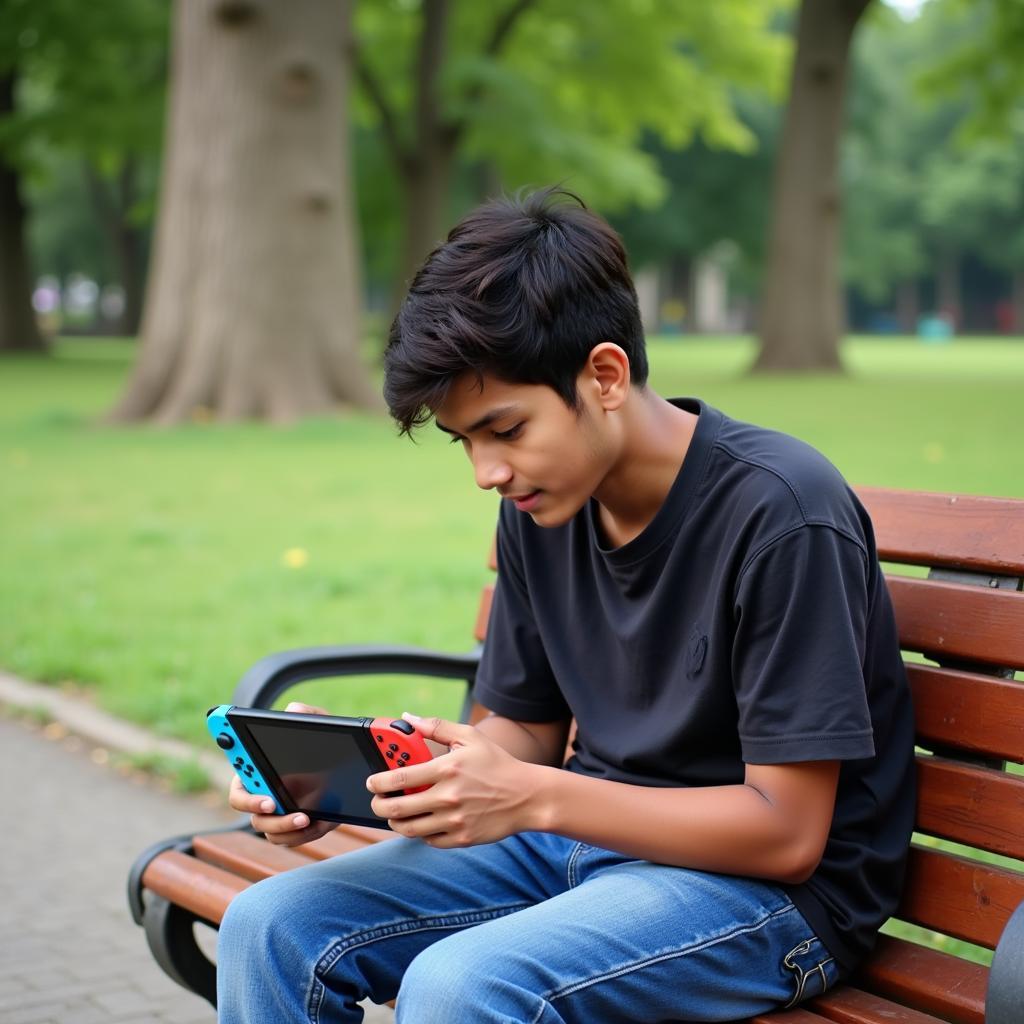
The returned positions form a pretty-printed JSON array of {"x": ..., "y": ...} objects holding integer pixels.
[
  {"x": 456, "y": 439},
  {"x": 509, "y": 435}
]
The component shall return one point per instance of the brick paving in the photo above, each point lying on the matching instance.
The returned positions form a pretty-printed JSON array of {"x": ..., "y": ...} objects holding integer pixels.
[{"x": 69, "y": 950}]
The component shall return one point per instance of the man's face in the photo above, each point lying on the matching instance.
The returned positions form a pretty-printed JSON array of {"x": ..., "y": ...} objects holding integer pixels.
[{"x": 527, "y": 444}]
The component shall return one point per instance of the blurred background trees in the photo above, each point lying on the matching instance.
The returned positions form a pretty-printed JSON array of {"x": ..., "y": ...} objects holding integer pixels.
[
  {"x": 670, "y": 118},
  {"x": 81, "y": 99},
  {"x": 253, "y": 303}
]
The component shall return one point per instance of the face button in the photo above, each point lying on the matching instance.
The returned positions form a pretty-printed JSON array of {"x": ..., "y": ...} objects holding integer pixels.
[
  {"x": 404, "y": 755},
  {"x": 393, "y": 746},
  {"x": 224, "y": 741},
  {"x": 390, "y": 754},
  {"x": 403, "y": 726}
]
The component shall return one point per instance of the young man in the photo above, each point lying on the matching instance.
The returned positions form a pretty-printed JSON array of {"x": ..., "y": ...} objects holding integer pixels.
[{"x": 703, "y": 597}]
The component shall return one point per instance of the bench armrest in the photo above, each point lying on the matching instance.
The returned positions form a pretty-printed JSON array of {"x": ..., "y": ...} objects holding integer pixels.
[
  {"x": 271, "y": 676},
  {"x": 1006, "y": 979}
]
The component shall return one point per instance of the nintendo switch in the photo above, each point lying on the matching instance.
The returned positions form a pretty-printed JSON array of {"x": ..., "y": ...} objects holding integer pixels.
[{"x": 317, "y": 764}]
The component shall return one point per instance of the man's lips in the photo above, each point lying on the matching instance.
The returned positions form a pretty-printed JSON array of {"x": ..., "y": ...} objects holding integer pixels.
[{"x": 524, "y": 502}]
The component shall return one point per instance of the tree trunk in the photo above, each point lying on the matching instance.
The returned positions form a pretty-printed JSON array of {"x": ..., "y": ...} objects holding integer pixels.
[
  {"x": 252, "y": 306},
  {"x": 426, "y": 172},
  {"x": 425, "y": 190},
  {"x": 801, "y": 318},
  {"x": 425, "y": 165},
  {"x": 19, "y": 330}
]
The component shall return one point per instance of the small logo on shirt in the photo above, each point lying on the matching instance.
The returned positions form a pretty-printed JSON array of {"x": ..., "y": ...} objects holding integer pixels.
[{"x": 697, "y": 649}]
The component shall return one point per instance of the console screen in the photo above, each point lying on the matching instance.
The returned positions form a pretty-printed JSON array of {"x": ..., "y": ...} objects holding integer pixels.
[{"x": 322, "y": 769}]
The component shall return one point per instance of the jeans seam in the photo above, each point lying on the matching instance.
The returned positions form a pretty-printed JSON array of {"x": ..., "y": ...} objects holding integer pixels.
[
  {"x": 800, "y": 975},
  {"x": 661, "y": 957},
  {"x": 326, "y": 961},
  {"x": 577, "y": 852}
]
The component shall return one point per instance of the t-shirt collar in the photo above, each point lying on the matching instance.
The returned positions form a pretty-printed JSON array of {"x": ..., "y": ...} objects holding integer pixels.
[{"x": 674, "y": 508}]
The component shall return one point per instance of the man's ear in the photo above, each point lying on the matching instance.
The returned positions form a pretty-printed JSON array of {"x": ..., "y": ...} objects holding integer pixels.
[{"x": 607, "y": 376}]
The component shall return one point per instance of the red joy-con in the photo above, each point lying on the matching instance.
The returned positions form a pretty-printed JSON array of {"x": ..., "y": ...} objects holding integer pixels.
[{"x": 399, "y": 747}]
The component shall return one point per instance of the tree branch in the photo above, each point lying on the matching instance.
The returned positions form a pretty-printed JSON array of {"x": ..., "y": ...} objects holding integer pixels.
[
  {"x": 504, "y": 25},
  {"x": 429, "y": 62},
  {"x": 375, "y": 93},
  {"x": 499, "y": 37}
]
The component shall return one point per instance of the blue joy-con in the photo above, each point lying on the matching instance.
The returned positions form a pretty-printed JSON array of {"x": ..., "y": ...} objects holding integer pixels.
[{"x": 227, "y": 739}]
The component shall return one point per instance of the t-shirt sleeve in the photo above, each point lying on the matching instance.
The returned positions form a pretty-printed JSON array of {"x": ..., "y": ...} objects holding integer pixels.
[
  {"x": 801, "y": 612},
  {"x": 515, "y": 677}
]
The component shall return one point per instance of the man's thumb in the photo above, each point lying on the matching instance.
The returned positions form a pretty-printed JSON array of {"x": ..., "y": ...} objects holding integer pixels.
[{"x": 438, "y": 729}]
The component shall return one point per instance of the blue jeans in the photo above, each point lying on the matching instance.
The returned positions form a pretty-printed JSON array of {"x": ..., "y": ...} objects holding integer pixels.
[{"x": 534, "y": 928}]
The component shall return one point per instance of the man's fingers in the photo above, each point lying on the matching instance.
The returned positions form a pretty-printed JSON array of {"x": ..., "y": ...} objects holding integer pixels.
[
  {"x": 296, "y": 837},
  {"x": 280, "y": 824},
  {"x": 440, "y": 730},
  {"x": 394, "y": 807},
  {"x": 411, "y": 777},
  {"x": 297, "y": 707},
  {"x": 241, "y": 800}
]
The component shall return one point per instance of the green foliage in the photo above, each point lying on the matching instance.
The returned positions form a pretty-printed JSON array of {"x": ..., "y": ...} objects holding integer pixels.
[
  {"x": 984, "y": 67},
  {"x": 974, "y": 196},
  {"x": 714, "y": 195},
  {"x": 584, "y": 82},
  {"x": 888, "y": 131},
  {"x": 570, "y": 97},
  {"x": 915, "y": 184},
  {"x": 91, "y": 77},
  {"x": 89, "y": 104}
]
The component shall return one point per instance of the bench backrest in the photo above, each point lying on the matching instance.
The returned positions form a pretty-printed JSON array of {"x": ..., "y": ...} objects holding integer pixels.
[{"x": 961, "y": 625}]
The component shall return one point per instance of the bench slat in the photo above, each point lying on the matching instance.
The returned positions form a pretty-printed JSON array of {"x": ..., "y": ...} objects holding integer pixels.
[
  {"x": 798, "y": 1015},
  {"x": 963, "y": 898},
  {"x": 927, "y": 979},
  {"x": 848, "y": 1005},
  {"x": 201, "y": 888},
  {"x": 979, "y": 714},
  {"x": 954, "y": 621},
  {"x": 979, "y": 807},
  {"x": 249, "y": 856},
  {"x": 954, "y": 531}
]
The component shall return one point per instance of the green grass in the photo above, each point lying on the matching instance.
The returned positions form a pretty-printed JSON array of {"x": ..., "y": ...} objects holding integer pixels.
[
  {"x": 182, "y": 775},
  {"x": 151, "y": 566}
]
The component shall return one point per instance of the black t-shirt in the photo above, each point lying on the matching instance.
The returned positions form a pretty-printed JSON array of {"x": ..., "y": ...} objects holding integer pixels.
[{"x": 748, "y": 623}]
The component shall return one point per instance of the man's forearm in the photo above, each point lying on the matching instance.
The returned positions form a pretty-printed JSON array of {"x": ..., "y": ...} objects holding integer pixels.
[
  {"x": 542, "y": 744},
  {"x": 729, "y": 829}
]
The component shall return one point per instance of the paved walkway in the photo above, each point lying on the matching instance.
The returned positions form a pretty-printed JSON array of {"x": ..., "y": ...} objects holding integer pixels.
[{"x": 69, "y": 951}]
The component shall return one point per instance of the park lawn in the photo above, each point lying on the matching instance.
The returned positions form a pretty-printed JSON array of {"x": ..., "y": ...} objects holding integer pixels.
[{"x": 150, "y": 567}]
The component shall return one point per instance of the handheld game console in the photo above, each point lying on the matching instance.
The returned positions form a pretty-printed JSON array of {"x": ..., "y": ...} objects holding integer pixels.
[{"x": 317, "y": 764}]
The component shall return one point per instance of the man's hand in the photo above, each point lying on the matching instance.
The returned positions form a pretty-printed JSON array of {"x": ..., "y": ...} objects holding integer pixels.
[
  {"x": 280, "y": 829},
  {"x": 479, "y": 793}
]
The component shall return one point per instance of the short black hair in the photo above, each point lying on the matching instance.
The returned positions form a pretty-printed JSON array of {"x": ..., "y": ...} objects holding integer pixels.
[{"x": 522, "y": 289}]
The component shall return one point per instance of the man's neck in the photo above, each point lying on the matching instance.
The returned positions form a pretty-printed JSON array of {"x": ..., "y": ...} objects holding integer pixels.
[{"x": 656, "y": 438}]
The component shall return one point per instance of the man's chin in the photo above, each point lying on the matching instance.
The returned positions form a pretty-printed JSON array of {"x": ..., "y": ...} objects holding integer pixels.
[{"x": 551, "y": 514}]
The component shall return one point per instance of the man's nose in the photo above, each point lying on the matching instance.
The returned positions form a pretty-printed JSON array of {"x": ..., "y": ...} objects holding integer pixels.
[{"x": 490, "y": 472}]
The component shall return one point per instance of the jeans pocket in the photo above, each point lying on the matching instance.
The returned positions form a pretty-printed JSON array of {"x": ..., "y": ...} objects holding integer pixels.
[{"x": 812, "y": 968}]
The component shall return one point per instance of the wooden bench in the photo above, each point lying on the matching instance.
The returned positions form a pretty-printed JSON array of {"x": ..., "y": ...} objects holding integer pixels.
[{"x": 967, "y": 616}]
